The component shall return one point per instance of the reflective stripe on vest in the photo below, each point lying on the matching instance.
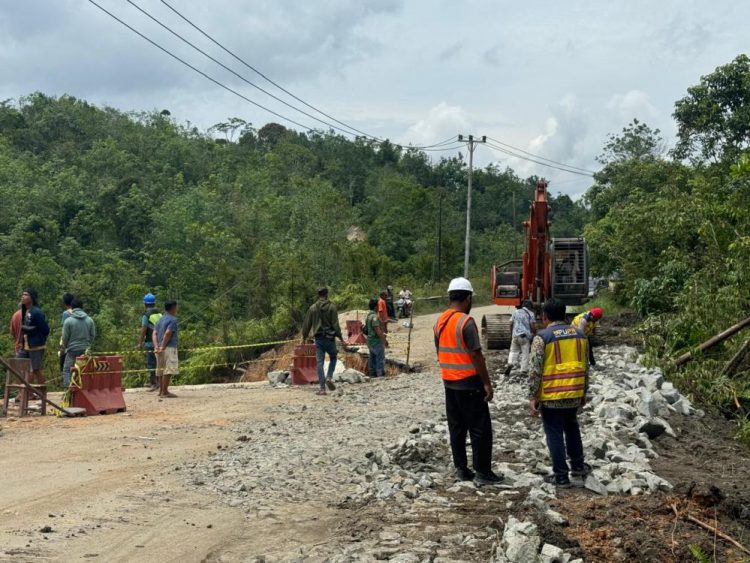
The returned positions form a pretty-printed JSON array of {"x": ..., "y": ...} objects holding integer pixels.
[
  {"x": 453, "y": 356},
  {"x": 565, "y": 357},
  {"x": 590, "y": 323}
]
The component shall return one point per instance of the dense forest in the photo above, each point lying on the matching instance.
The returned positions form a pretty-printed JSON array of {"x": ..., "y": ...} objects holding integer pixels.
[{"x": 240, "y": 224}]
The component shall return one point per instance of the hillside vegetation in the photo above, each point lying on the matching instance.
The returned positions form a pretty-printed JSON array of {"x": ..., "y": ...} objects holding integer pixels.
[{"x": 239, "y": 224}]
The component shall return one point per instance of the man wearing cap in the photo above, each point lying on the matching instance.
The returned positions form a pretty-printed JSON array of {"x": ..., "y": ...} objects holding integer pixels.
[
  {"x": 558, "y": 382},
  {"x": 585, "y": 323},
  {"x": 468, "y": 388},
  {"x": 148, "y": 321}
]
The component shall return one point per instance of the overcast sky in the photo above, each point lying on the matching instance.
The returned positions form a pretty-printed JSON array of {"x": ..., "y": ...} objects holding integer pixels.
[{"x": 553, "y": 78}]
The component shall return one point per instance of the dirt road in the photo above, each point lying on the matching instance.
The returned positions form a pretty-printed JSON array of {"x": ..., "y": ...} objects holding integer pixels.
[{"x": 258, "y": 473}]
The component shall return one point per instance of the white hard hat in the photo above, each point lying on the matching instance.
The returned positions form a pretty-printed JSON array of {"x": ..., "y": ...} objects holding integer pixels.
[{"x": 460, "y": 284}]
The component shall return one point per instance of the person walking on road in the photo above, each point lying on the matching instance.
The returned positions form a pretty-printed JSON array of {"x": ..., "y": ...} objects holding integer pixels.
[
  {"x": 468, "y": 388},
  {"x": 523, "y": 328},
  {"x": 586, "y": 324},
  {"x": 145, "y": 342},
  {"x": 78, "y": 333},
  {"x": 376, "y": 342},
  {"x": 558, "y": 382},
  {"x": 35, "y": 332},
  {"x": 165, "y": 339},
  {"x": 322, "y": 322}
]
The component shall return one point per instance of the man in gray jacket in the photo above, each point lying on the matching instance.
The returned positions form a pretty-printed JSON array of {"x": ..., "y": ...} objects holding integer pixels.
[{"x": 78, "y": 334}]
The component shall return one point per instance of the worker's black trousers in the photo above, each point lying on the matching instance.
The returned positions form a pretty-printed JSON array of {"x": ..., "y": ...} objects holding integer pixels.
[{"x": 467, "y": 411}]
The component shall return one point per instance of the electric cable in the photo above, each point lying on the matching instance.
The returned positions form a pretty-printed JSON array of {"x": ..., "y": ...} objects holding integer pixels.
[
  {"x": 187, "y": 64},
  {"x": 539, "y": 157},
  {"x": 259, "y": 73},
  {"x": 225, "y": 67},
  {"x": 541, "y": 163}
]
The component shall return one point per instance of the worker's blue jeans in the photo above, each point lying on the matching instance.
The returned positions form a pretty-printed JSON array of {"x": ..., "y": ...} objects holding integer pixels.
[
  {"x": 325, "y": 346},
  {"x": 376, "y": 360},
  {"x": 563, "y": 435}
]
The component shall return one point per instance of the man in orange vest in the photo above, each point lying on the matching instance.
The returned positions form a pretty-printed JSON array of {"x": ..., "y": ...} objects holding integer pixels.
[
  {"x": 558, "y": 381},
  {"x": 468, "y": 389}
]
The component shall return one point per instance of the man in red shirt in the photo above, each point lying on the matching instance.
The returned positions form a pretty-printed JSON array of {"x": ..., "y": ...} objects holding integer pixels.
[{"x": 383, "y": 311}]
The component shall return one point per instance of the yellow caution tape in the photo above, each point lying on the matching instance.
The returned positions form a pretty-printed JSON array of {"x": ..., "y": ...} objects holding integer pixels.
[{"x": 203, "y": 349}]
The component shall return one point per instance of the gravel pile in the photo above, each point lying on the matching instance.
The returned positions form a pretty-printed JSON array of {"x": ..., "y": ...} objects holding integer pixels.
[{"x": 382, "y": 446}]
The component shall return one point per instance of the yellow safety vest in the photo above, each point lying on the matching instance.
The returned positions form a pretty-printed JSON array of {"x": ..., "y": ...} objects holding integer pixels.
[
  {"x": 590, "y": 323},
  {"x": 565, "y": 357}
]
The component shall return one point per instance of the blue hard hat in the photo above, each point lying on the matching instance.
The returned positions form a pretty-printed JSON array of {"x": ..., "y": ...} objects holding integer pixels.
[{"x": 149, "y": 299}]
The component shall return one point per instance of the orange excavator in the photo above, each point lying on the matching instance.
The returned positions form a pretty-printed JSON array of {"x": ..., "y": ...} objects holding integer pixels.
[{"x": 548, "y": 268}]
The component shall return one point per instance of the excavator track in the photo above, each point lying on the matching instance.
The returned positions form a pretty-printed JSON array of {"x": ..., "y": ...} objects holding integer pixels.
[{"x": 496, "y": 332}]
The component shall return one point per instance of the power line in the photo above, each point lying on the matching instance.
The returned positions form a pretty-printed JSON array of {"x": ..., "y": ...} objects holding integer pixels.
[
  {"x": 279, "y": 86},
  {"x": 259, "y": 73},
  {"x": 516, "y": 155},
  {"x": 540, "y": 157},
  {"x": 225, "y": 67},
  {"x": 187, "y": 64}
]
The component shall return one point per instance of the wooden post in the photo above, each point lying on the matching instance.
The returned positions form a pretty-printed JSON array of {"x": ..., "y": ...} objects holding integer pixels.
[
  {"x": 734, "y": 329},
  {"x": 408, "y": 338}
]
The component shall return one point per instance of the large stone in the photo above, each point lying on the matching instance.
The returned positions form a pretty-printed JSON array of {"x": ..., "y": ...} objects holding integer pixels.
[
  {"x": 683, "y": 406},
  {"x": 277, "y": 377},
  {"x": 520, "y": 541},
  {"x": 551, "y": 554},
  {"x": 593, "y": 484},
  {"x": 350, "y": 376},
  {"x": 655, "y": 427}
]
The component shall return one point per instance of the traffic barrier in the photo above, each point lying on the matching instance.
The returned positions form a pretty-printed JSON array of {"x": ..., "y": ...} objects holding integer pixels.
[
  {"x": 304, "y": 365},
  {"x": 96, "y": 385},
  {"x": 355, "y": 334}
]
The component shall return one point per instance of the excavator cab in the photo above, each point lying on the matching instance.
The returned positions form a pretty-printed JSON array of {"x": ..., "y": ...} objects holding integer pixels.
[{"x": 570, "y": 270}]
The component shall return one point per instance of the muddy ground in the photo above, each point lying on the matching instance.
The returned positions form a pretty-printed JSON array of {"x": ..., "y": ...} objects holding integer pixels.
[{"x": 123, "y": 487}]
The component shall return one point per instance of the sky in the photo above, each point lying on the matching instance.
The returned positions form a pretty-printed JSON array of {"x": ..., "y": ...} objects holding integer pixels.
[{"x": 548, "y": 77}]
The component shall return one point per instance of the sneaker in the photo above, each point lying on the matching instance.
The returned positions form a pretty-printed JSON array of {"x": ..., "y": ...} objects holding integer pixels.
[
  {"x": 152, "y": 388},
  {"x": 581, "y": 472},
  {"x": 489, "y": 478},
  {"x": 330, "y": 385},
  {"x": 558, "y": 481},
  {"x": 464, "y": 474},
  {"x": 321, "y": 392},
  {"x": 508, "y": 369}
]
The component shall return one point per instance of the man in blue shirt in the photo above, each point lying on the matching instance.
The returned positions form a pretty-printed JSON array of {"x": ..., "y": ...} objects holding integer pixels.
[{"x": 165, "y": 339}]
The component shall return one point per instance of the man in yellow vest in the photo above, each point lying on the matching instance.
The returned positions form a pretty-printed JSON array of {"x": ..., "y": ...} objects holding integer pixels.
[
  {"x": 468, "y": 388},
  {"x": 558, "y": 381},
  {"x": 586, "y": 323}
]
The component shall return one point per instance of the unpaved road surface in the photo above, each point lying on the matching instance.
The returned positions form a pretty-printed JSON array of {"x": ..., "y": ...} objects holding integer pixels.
[{"x": 264, "y": 474}]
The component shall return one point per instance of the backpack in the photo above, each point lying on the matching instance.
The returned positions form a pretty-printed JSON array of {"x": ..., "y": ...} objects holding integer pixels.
[{"x": 152, "y": 317}]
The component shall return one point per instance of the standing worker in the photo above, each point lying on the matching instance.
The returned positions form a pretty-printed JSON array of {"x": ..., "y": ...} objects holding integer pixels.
[
  {"x": 389, "y": 302},
  {"x": 586, "y": 324},
  {"x": 67, "y": 299},
  {"x": 558, "y": 382},
  {"x": 376, "y": 342},
  {"x": 78, "y": 333},
  {"x": 523, "y": 328},
  {"x": 145, "y": 342},
  {"x": 35, "y": 332},
  {"x": 322, "y": 322},
  {"x": 468, "y": 388},
  {"x": 165, "y": 339},
  {"x": 16, "y": 321},
  {"x": 383, "y": 310}
]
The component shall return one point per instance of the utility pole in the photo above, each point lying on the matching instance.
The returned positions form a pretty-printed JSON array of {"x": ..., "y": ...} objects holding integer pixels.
[
  {"x": 471, "y": 143},
  {"x": 515, "y": 242},
  {"x": 440, "y": 239}
]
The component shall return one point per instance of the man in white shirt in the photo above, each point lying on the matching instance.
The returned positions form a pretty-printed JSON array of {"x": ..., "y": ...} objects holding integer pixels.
[{"x": 523, "y": 328}]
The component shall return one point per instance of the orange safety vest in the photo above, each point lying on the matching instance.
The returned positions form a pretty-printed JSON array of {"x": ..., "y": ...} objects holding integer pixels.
[
  {"x": 565, "y": 358},
  {"x": 453, "y": 355}
]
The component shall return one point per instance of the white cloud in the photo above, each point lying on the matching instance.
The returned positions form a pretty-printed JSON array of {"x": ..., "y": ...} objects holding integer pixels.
[{"x": 441, "y": 122}]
